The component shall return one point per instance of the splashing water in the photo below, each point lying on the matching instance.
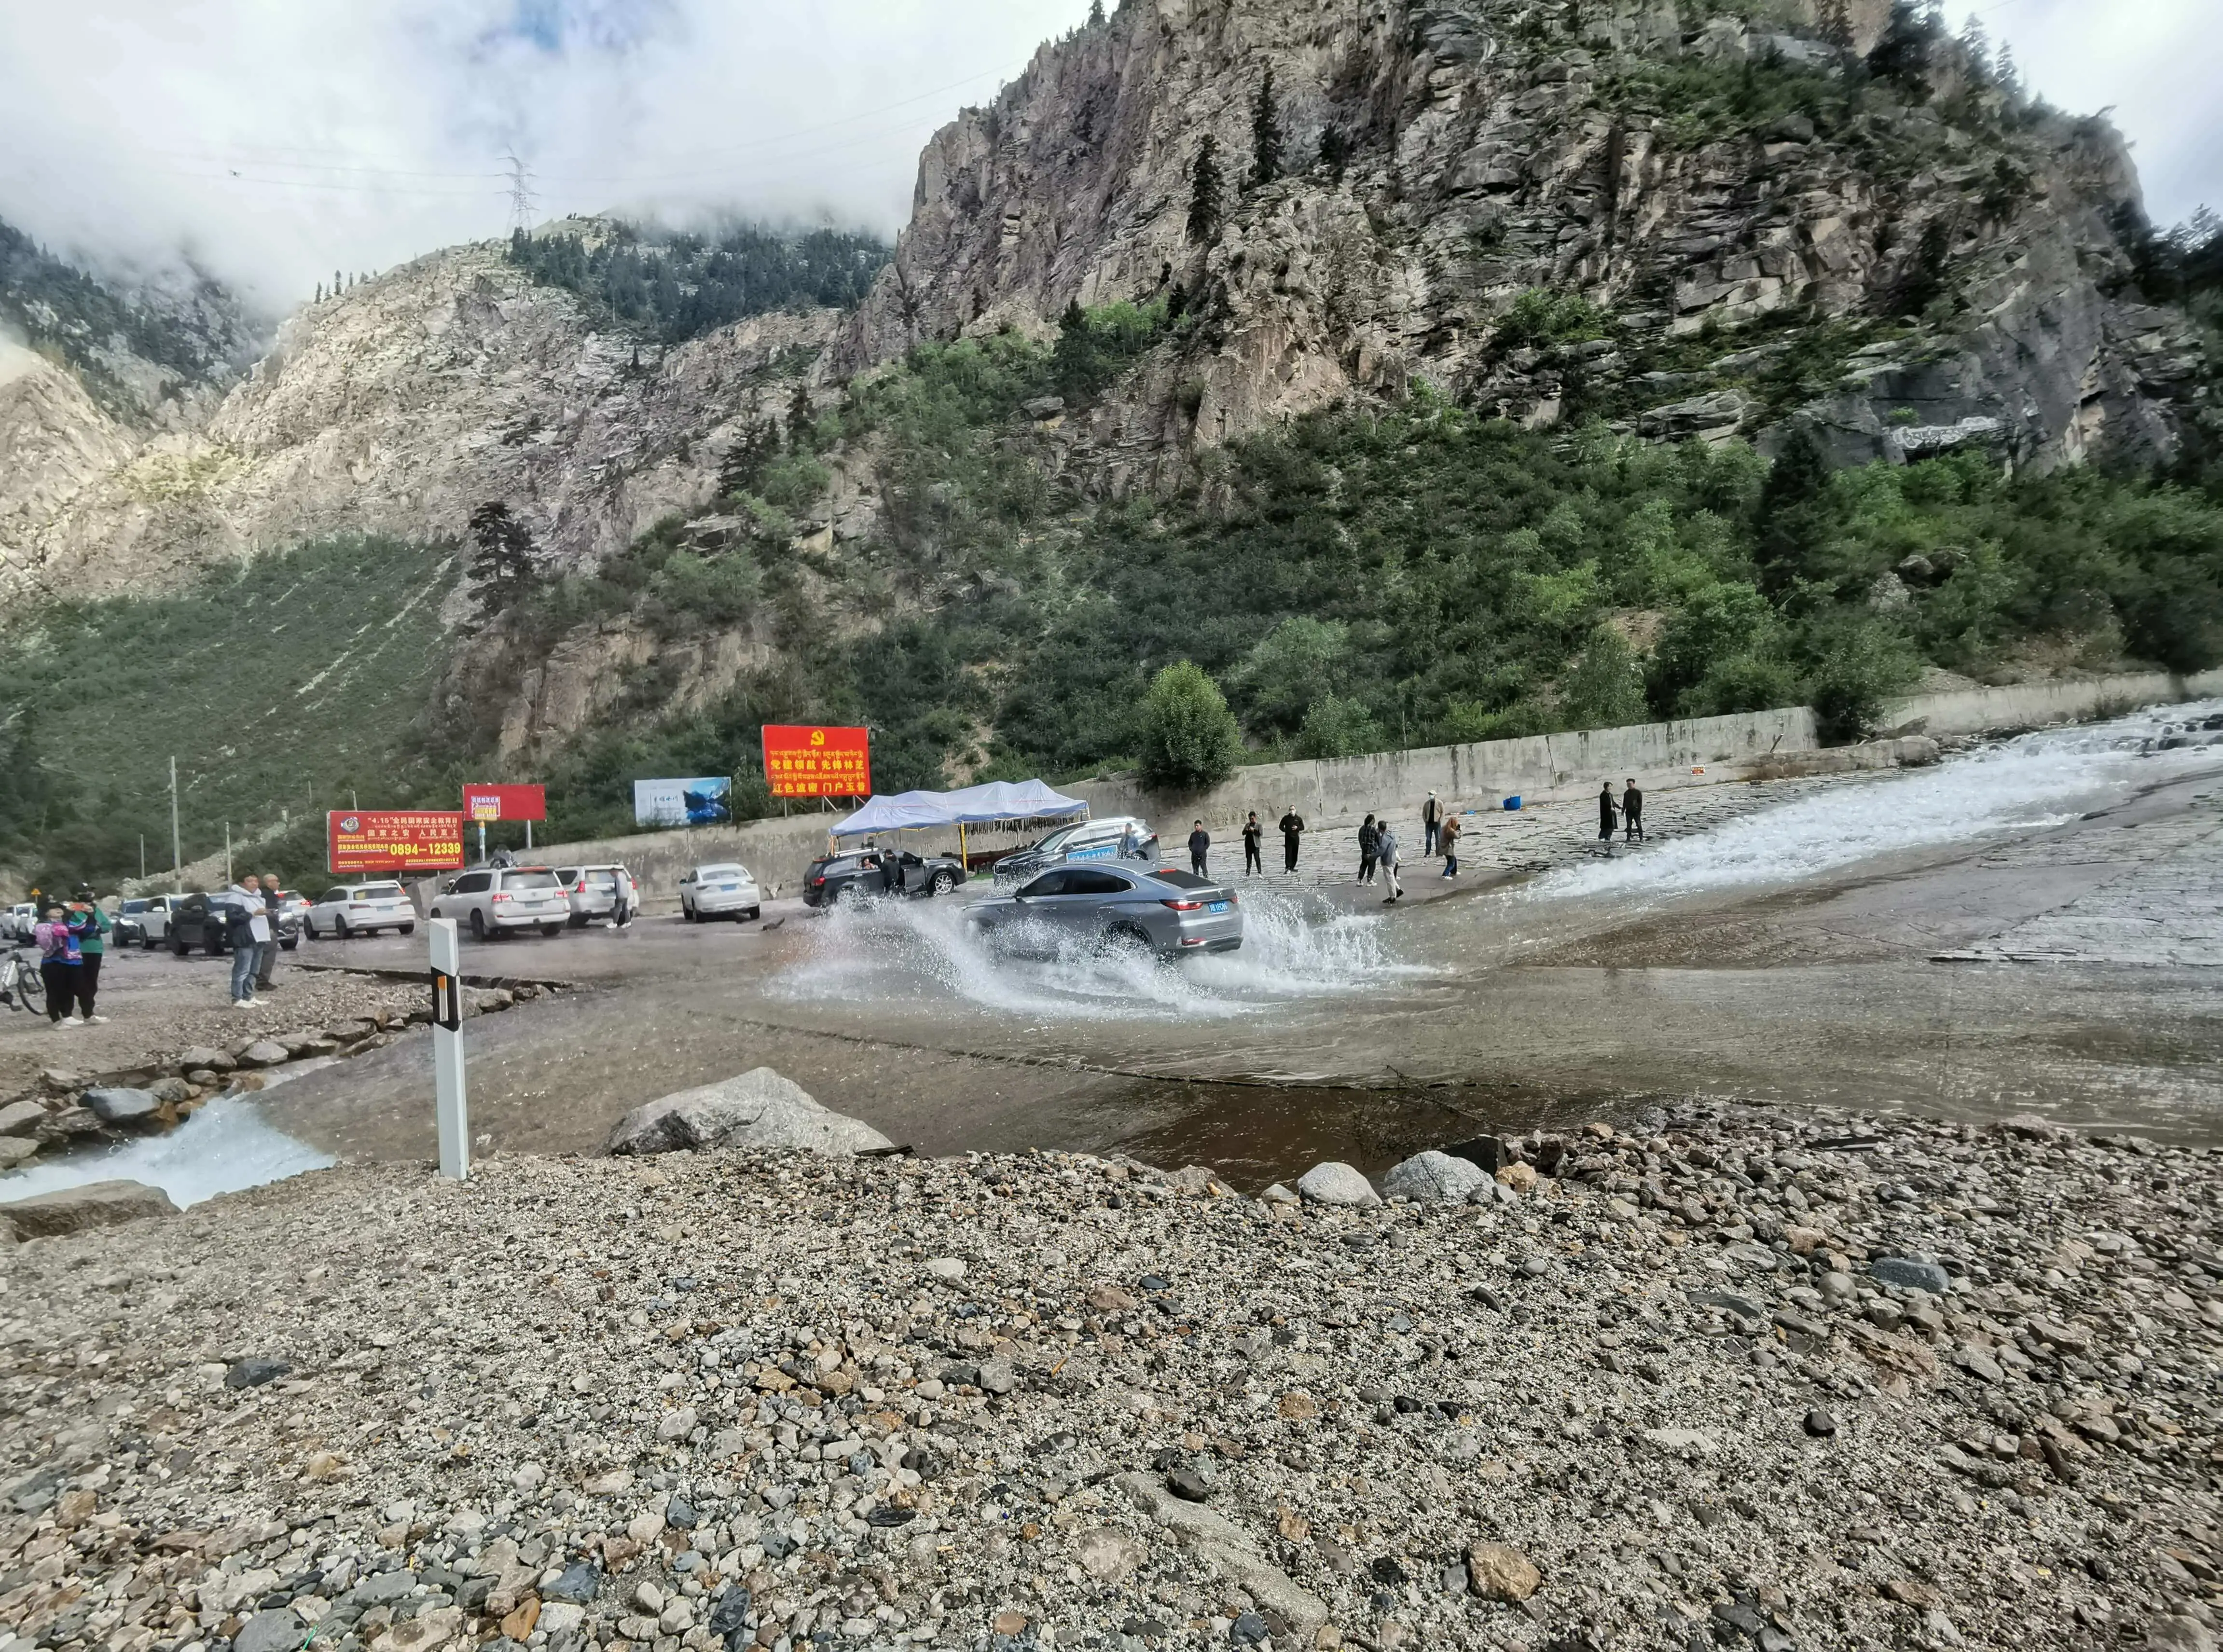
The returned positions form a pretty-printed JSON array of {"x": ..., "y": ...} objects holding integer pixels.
[
  {"x": 1293, "y": 947},
  {"x": 2039, "y": 780},
  {"x": 225, "y": 1148}
]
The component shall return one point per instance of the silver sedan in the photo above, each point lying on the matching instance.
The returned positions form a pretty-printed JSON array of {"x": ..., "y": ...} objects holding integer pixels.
[{"x": 1170, "y": 912}]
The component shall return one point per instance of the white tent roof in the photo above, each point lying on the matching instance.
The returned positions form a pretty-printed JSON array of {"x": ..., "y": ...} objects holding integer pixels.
[{"x": 1000, "y": 799}]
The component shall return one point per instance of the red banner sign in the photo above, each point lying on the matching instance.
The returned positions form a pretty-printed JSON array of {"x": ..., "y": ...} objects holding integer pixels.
[
  {"x": 801, "y": 762},
  {"x": 484, "y": 803},
  {"x": 363, "y": 841}
]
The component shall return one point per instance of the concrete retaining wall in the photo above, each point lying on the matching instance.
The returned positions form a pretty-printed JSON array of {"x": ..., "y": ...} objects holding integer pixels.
[{"x": 2040, "y": 704}]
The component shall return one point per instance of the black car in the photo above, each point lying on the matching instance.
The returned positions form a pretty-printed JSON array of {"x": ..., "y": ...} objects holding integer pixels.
[
  {"x": 202, "y": 920},
  {"x": 864, "y": 873}
]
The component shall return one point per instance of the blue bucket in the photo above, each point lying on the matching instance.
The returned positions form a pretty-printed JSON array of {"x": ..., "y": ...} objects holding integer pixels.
[{"x": 1512, "y": 803}]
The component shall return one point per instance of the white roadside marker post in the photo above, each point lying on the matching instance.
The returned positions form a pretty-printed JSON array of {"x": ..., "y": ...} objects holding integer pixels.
[{"x": 449, "y": 1104}]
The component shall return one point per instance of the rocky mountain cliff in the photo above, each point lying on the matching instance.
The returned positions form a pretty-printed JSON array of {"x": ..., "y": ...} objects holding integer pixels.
[
  {"x": 396, "y": 407},
  {"x": 1701, "y": 192}
]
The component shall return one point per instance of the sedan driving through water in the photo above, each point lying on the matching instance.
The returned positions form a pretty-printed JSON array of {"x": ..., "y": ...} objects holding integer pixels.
[{"x": 1168, "y": 912}]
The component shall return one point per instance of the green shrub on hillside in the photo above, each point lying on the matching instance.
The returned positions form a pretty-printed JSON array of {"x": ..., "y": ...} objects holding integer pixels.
[{"x": 1185, "y": 732}]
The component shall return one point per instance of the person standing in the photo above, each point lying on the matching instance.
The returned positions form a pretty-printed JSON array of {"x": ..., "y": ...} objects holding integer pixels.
[
  {"x": 1293, "y": 829},
  {"x": 90, "y": 925},
  {"x": 1449, "y": 836},
  {"x": 1606, "y": 815},
  {"x": 59, "y": 958},
  {"x": 247, "y": 925},
  {"x": 1368, "y": 834},
  {"x": 621, "y": 910},
  {"x": 1431, "y": 823},
  {"x": 1632, "y": 811},
  {"x": 1199, "y": 849},
  {"x": 1385, "y": 855},
  {"x": 1253, "y": 832},
  {"x": 273, "y": 907},
  {"x": 1131, "y": 842}
]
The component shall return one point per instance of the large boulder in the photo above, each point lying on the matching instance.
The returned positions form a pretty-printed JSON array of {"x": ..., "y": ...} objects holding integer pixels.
[
  {"x": 14, "y": 1150},
  {"x": 1336, "y": 1182},
  {"x": 73, "y": 1210},
  {"x": 759, "y": 1108},
  {"x": 21, "y": 1118},
  {"x": 1433, "y": 1178}
]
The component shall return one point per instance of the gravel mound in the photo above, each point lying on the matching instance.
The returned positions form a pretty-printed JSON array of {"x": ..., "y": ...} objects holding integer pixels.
[{"x": 1672, "y": 1395}]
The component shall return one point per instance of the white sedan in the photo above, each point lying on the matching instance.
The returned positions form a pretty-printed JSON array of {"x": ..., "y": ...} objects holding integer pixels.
[
  {"x": 359, "y": 909},
  {"x": 721, "y": 888}
]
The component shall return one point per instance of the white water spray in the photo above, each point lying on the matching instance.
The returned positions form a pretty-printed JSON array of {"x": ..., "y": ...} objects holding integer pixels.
[
  {"x": 1293, "y": 948},
  {"x": 225, "y": 1147},
  {"x": 2039, "y": 780}
]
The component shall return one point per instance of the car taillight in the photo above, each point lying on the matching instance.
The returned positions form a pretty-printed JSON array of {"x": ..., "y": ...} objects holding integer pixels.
[
  {"x": 501, "y": 896},
  {"x": 1183, "y": 906},
  {"x": 817, "y": 882}
]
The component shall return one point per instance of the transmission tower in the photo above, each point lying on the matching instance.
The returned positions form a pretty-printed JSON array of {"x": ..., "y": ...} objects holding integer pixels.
[{"x": 522, "y": 200}]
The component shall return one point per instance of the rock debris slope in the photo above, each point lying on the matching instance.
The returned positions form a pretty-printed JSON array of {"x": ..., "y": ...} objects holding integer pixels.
[
  {"x": 1730, "y": 1380},
  {"x": 1646, "y": 155}
]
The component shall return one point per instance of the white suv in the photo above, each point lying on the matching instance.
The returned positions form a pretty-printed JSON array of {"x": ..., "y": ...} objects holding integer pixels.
[
  {"x": 359, "y": 909},
  {"x": 501, "y": 898},
  {"x": 593, "y": 891}
]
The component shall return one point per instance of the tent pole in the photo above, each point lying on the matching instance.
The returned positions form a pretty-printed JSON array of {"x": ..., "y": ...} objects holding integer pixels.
[{"x": 964, "y": 855}]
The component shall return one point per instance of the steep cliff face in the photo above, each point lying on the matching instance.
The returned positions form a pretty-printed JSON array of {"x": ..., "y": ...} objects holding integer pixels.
[
  {"x": 1945, "y": 256},
  {"x": 398, "y": 407}
]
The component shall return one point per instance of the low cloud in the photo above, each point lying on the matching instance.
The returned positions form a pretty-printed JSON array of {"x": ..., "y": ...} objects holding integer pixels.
[{"x": 275, "y": 142}]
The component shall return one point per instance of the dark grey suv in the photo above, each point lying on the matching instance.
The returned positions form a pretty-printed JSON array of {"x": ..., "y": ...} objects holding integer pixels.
[
  {"x": 1171, "y": 913},
  {"x": 864, "y": 873}
]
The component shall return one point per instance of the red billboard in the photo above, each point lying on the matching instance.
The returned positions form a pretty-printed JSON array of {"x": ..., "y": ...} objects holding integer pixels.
[
  {"x": 813, "y": 762},
  {"x": 483, "y": 804},
  {"x": 363, "y": 841}
]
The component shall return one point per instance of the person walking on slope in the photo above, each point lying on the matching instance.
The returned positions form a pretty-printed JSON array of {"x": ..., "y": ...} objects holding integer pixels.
[
  {"x": 1431, "y": 823},
  {"x": 1252, "y": 832},
  {"x": 1199, "y": 849},
  {"x": 247, "y": 925},
  {"x": 1367, "y": 833},
  {"x": 266, "y": 958},
  {"x": 1385, "y": 856},
  {"x": 90, "y": 925},
  {"x": 59, "y": 958},
  {"x": 1292, "y": 828},
  {"x": 1448, "y": 838},
  {"x": 1632, "y": 811},
  {"x": 1606, "y": 814}
]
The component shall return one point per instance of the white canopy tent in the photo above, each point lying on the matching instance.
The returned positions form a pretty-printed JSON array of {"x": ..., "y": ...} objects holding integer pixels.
[{"x": 1000, "y": 803}]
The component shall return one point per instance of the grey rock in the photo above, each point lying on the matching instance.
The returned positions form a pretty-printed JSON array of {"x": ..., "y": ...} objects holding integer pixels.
[
  {"x": 758, "y": 1108},
  {"x": 2175, "y": 1634},
  {"x": 270, "y": 1631},
  {"x": 998, "y": 1376},
  {"x": 1333, "y": 1183},
  {"x": 203, "y": 1056},
  {"x": 1821, "y": 1424},
  {"x": 1433, "y": 1178},
  {"x": 21, "y": 1118},
  {"x": 118, "y": 1105},
  {"x": 254, "y": 1370},
  {"x": 1905, "y": 1272},
  {"x": 579, "y": 1583},
  {"x": 383, "y": 1588},
  {"x": 171, "y": 1090},
  {"x": 264, "y": 1053},
  {"x": 94, "y": 1204}
]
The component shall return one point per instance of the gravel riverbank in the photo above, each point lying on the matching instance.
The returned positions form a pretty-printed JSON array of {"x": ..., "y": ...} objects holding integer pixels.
[{"x": 1732, "y": 1379}]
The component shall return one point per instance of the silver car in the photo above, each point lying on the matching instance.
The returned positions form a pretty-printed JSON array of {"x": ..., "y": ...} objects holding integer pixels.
[
  {"x": 593, "y": 891},
  {"x": 1115, "y": 837},
  {"x": 1171, "y": 913}
]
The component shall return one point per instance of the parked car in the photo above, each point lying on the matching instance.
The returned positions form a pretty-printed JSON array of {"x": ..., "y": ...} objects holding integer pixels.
[
  {"x": 495, "y": 900},
  {"x": 718, "y": 888},
  {"x": 146, "y": 920},
  {"x": 21, "y": 919},
  {"x": 348, "y": 909},
  {"x": 201, "y": 920},
  {"x": 1168, "y": 912},
  {"x": 593, "y": 891},
  {"x": 1083, "y": 841},
  {"x": 863, "y": 873}
]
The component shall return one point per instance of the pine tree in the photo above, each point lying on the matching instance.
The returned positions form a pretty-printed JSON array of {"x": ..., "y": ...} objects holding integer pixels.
[
  {"x": 1204, "y": 191},
  {"x": 1265, "y": 133},
  {"x": 2005, "y": 72},
  {"x": 504, "y": 563},
  {"x": 1334, "y": 151},
  {"x": 1096, "y": 14},
  {"x": 1976, "y": 48},
  {"x": 320, "y": 292},
  {"x": 801, "y": 416}
]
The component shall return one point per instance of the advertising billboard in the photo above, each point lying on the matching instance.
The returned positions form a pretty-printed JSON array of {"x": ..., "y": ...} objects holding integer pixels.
[
  {"x": 814, "y": 761},
  {"x": 362, "y": 842},
  {"x": 484, "y": 804},
  {"x": 703, "y": 801}
]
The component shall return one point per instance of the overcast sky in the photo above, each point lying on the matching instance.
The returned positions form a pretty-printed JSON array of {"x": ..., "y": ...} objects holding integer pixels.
[{"x": 283, "y": 139}]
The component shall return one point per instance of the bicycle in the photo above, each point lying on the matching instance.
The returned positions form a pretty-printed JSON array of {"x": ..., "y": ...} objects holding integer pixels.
[{"x": 22, "y": 987}]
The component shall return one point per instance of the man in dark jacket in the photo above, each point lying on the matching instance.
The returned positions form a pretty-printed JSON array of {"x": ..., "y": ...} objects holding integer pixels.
[
  {"x": 1432, "y": 821},
  {"x": 1606, "y": 815},
  {"x": 1292, "y": 828},
  {"x": 273, "y": 905},
  {"x": 1252, "y": 832},
  {"x": 1632, "y": 811},
  {"x": 1199, "y": 849},
  {"x": 1367, "y": 837}
]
